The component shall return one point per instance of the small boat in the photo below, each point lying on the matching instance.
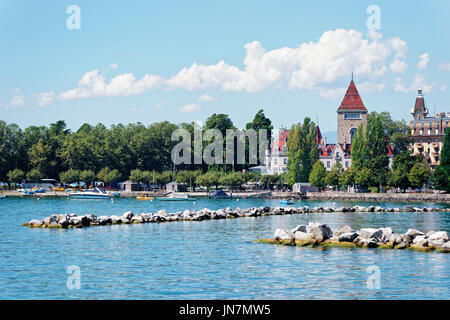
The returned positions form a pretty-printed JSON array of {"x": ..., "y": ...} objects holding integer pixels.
[
  {"x": 144, "y": 197},
  {"x": 176, "y": 197},
  {"x": 42, "y": 190},
  {"x": 286, "y": 201},
  {"x": 92, "y": 194},
  {"x": 27, "y": 193},
  {"x": 219, "y": 194},
  {"x": 2, "y": 196}
]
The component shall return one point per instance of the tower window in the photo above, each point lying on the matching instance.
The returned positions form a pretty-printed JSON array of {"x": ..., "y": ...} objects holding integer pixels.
[{"x": 352, "y": 115}]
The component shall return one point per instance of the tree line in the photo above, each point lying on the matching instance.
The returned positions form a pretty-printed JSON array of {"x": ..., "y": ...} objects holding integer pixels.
[{"x": 101, "y": 153}]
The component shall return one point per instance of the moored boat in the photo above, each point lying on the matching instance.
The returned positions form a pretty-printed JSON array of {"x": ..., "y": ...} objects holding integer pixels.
[
  {"x": 176, "y": 197},
  {"x": 286, "y": 201},
  {"x": 91, "y": 194},
  {"x": 144, "y": 197}
]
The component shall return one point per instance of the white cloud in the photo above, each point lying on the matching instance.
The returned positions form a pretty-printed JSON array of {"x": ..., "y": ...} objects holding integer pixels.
[
  {"x": 192, "y": 107},
  {"x": 18, "y": 100},
  {"x": 137, "y": 110},
  {"x": 419, "y": 81},
  {"x": 45, "y": 98},
  {"x": 398, "y": 66},
  {"x": 424, "y": 59},
  {"x": 332, "y": 93},
  {"x": 443, "y": 88},
  {"x": 92, "y": 84},
  {"x": 205, "y": 98},
  {"x": 400, "y": 47},
  {"x": 310, "y": 64},
  {"x": 444, "y": 66},
  {"x": 113, "y": 65}
]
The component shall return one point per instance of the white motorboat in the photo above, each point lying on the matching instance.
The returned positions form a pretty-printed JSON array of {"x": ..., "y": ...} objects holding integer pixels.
[{"x": 91, "y": 194}]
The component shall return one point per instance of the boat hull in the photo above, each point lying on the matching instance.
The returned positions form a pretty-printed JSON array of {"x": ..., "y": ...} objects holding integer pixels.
[{"x": 83, "y": 196}]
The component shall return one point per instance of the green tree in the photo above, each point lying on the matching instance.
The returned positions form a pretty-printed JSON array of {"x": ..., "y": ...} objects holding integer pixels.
[
  {"x": 334, "y": 175},
  {"x": 34, "y": 175},
  {"x": 401, "y": 166},
  {"x": 232, "y": 179},
  {"x": 363, "y": 177},
  {"x": 347, "y": 178},
  {"x": 318, "y": 175},
  {"x": 88, "y": 176},
  {"x": 260, "y": 122},
  {"x": 441, "y": 175},
  {"x": 15, "y": 176},
  {"x": 69, "y": 176},
  {"x": 419, "y": 175}
]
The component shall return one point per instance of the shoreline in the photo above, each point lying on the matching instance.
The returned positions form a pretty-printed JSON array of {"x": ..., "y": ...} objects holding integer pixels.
[{"x": 330, "y": 196}]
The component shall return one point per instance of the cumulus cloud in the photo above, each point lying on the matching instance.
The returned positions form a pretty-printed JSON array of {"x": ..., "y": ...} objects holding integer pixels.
[
  {"x": 423, "y": 61},
  {"x": 192, "y": 107},
  {"x": 398, "y": 66},
  {"x": 315, "y": 65},
  {"x": 18, "y": 100},
  {"x": 419, "y": 81},
  {"x": 310, "y": 64},
  {"x": 332, "y": 93},
  {"x": 93, "y": 84},
  {"x": 45, "y": 98},
  {"x": 205, "y": 98}
]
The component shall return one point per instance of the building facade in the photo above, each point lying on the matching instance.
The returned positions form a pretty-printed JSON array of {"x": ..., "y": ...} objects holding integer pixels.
[
  {"x": 427, "y": 133},
  {"x": 350, "y": 115}
]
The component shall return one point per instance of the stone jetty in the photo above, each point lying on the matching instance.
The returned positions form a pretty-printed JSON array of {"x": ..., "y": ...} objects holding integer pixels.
[
  {"x": 316, "y": 234},
  {"x": 80, "y": 221}
]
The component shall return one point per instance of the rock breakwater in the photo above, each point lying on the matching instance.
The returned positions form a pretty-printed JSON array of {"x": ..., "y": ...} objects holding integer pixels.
[
  {"x": 66, "y": 221},
  {"x": 315, "y": 234}
]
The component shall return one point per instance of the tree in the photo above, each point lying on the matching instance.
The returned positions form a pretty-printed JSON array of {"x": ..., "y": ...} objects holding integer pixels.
[
  {"x": 440, "y": 179},
  {"x": 318, "y": 174},
  {"x": 441, "y": 175},
  {"x": 88, "y": 176},
  {"x": 363, "y": 177},
  {"x": 137, "y": 175},
  {"x": 359, "y": 148},
  {"x": 401, "y": 166},
  {"x": 34, "y": 175},
  {"x": 69, "y": 176},
  {"x": 419, "y": 175},
  {"x": 347, "y": 178},
  {"x": 293, "y": 155},
  {"x": 204, "y": 180},
  {"x": 260, "y": 122},
  {"x": 334, "y": 175},
  {"x": 232, "y": 179},
  {"x": 108, "y": 176},
  {"x": 15, "y": 176}
]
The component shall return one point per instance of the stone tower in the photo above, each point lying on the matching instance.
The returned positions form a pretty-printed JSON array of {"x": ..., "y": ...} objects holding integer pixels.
[
  {"x": 350, "y": 114},
  {"x": 419, "y": 111}
]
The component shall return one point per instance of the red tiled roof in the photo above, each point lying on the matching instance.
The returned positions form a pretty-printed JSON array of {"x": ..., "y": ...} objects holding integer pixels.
[{"x": 352, "y": 100}]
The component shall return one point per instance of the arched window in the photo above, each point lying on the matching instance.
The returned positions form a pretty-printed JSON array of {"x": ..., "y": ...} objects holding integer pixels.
[{"x": 352, "y": 134}]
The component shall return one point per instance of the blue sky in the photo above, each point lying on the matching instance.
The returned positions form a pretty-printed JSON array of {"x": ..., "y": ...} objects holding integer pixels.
[{"x": 184, "y": 60}]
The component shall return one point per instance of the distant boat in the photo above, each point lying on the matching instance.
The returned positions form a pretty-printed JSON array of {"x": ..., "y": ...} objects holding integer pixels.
[
  {"x": 27, "y": 193},
  {"x": 92, "y": 194},
  {"x": 144, "y": 197},
  {"x": 176, "y": 197},
  {"x": 2, "y": 196},
  {"x": 219, "y": 194},
  {"x": 287, "y": 201}
]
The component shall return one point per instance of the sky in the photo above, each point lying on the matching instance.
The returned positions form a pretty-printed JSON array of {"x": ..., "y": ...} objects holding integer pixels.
[{"x": 181, "y": 61}]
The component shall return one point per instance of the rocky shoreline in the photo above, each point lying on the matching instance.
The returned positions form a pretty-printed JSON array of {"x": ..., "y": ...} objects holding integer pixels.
[
  {"x": 66, "y": 221},
  {"x": 315, "y": 234}
]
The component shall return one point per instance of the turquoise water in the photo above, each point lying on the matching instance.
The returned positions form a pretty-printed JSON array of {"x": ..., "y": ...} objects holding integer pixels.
[{"x": 208, "y": 259}]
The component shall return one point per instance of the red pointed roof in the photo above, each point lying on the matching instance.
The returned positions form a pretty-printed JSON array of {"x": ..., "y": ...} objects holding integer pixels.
[{"x": 352, "y": 100}]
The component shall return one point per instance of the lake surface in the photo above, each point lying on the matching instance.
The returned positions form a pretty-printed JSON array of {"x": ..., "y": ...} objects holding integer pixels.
[{"x": 213, "y": 259}]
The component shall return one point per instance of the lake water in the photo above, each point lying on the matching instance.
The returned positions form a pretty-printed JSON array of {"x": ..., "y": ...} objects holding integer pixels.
[{"x": 214, "y": 259}]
